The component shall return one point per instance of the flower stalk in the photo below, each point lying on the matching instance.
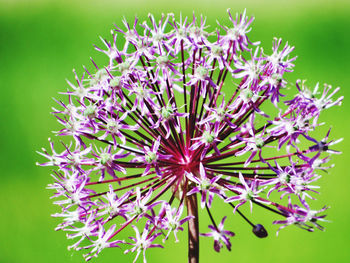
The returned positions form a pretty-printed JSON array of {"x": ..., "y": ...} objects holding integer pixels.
[{"x": 193, "y": 229}]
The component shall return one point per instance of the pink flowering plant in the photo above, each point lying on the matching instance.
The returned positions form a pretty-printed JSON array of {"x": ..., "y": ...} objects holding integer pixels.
[{"x": 156, "y": 138}]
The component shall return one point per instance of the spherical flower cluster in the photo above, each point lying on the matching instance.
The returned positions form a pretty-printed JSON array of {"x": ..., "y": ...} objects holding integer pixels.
[{"x": 153, "y": 130}]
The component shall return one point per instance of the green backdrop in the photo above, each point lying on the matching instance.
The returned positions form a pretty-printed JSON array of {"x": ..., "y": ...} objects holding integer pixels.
[{"x": 42, "y": 41}]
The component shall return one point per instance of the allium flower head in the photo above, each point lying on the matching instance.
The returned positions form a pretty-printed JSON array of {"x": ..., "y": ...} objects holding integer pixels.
[{"x": 180, "y": 116}]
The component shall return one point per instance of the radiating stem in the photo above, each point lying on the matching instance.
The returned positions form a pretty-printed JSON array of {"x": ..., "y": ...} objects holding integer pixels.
[{"x": 193, "y": 230}]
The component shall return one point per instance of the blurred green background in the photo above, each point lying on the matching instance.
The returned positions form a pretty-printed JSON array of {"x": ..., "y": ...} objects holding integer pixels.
[{"x": 42, "y": 41}]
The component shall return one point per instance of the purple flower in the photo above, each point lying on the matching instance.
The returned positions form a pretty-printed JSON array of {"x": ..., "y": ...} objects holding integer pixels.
[
  {"x": 115, "y": 206},
  {"x": 221, "y": 236},
  {"x": 207, "y": 188},
  {"x": 101, "y": 242},
  {"x": 142, "y": 242},
  {"x": 106, "y": 162},
  {"x": 89, "y": 228},
  {"x": 304, "y": 218},
  {"x": 245, "y": 193},
  {"x": 159, "y": 128},
  {"x": 172, "y": 221}
]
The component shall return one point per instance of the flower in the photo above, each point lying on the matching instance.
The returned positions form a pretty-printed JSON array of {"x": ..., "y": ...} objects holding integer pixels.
[
  {"x": 221, "y": 236},
  {"x": 245, "y": 193},
  {"x": 172, "y": 220},
  {"x": 101, "y": 242},
  {"x": 142, "y": 242},
  {"x": 153, "y": 130}
]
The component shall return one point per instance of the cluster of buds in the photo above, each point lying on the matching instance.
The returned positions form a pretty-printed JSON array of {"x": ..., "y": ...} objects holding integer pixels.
[{"x": 153, "y": 130}]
